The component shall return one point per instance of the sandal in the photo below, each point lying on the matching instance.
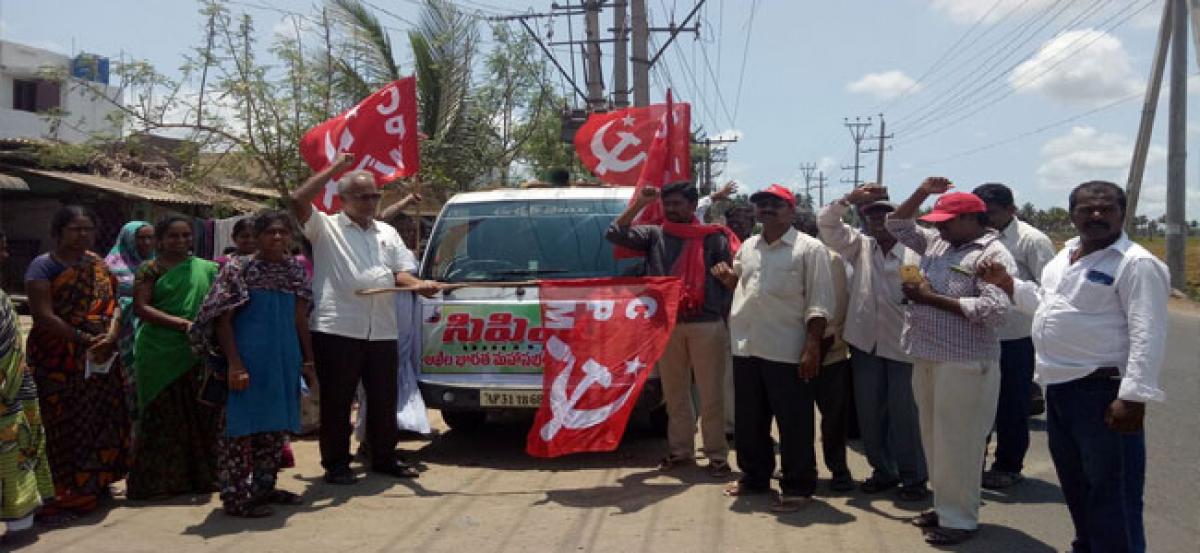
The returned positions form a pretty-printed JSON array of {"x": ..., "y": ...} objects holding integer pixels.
[
  {"x": 672, "y": 461},
  {"x": 250, "y": 511},
  {"x": 928, "y": 519},
  {"x": 738, "y": 489},
  {"x": 999, "y": 479},
  {"x": 719, "y": 469},
  {"x": 781, "y": 503},
  {"x": 283, "y": 497},
  {"x": 947, "y": 536}
]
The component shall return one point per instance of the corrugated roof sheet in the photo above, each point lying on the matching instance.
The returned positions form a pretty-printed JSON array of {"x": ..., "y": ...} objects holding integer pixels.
[
  {"x": 118, "y": 187},
  {"x": 12, "y": 182}
]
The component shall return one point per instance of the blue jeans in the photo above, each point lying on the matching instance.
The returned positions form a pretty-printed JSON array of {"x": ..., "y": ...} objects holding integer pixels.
[
  {"x": 887, "y": 417},
  {"x": 1012, "y": 413},
  {"x": 1102, "y": 472}
]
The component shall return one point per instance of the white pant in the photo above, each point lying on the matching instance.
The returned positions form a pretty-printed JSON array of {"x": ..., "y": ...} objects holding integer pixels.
[{"x": 956, "y": 405}]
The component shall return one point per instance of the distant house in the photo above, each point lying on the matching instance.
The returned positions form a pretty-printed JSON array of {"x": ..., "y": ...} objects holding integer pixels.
[{"x": 36, "y": 82}]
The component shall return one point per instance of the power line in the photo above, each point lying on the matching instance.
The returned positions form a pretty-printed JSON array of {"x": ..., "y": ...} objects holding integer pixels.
[
  {"x": 1010, "y": 91},
  {"x": 989, "y": 88},
  {"x": 737, "y": 103}
]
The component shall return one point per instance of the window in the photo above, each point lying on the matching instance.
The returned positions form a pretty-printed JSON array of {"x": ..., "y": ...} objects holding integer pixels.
[
  {"x": 25, "y": 95},
  {"x": 36, "y": 96},
  {"x": 520, "y": 240}
]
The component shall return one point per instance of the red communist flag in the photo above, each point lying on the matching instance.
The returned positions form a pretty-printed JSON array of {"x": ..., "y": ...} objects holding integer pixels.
[
  {"x": 614, "y": 145},
  {"x": 381, "y": 132},
  {"x": 668, "y": 160},
  {"x": 604, "y": 336}
]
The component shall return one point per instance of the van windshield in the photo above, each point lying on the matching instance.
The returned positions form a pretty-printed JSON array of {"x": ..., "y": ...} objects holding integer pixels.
[{"x": 525, "y": 240}]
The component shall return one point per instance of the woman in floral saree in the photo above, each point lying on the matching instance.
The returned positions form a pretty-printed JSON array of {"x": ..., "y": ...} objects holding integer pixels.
[
  {"x": 257, "y": 313},
  {"x": 24, "y": 470},
  {"x": 173, "y": 453},
  {"x": 73, "y": 299}
]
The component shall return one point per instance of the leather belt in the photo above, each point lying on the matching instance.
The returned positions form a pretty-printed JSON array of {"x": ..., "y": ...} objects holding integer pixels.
[{"x": 1106, "y": 373}]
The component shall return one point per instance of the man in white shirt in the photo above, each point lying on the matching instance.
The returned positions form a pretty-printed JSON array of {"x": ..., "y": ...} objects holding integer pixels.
[
  {"x": 882, "y": 371},
  {"x": 781, "y": 301},
  {"x": 354, "y": 337},
  {"x": 1100, "y": 329},
  {"x": 1031, "y": 249}
]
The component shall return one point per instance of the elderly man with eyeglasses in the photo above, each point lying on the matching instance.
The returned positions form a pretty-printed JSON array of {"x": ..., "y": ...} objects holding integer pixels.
[{"x": 354, "y": 337}]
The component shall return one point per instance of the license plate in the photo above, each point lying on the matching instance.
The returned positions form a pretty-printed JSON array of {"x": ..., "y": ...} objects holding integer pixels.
[{"x": 510, "y": 398}]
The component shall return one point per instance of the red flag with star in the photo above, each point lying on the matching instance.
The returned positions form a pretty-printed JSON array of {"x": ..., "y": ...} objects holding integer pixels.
[
  {"x": 381, "y": 132},
  {"x": 614, "y": 145}
]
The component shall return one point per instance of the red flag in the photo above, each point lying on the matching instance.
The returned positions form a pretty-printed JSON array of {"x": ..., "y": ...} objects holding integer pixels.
[
  {"x": 614, "y": 145},
  {"x": 381, "y": 132},
  {"x": 668, "y": 160},
  {"x": 604, "y": 336}
]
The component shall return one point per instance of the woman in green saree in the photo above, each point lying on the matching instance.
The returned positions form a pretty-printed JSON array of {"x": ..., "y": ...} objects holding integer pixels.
[{"x": 173, "y": 454}]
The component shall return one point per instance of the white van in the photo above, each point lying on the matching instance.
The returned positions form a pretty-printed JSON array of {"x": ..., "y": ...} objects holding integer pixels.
[{"x": 482, "y": 346}]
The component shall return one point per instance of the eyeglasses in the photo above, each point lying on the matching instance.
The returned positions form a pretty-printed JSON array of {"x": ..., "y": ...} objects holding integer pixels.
[{"x": 368, "y": 197}]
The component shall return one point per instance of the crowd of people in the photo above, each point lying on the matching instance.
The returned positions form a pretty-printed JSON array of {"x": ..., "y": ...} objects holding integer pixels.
[
  {"x": 932, "y": 326},
  {"x": 186, "y": 376}
]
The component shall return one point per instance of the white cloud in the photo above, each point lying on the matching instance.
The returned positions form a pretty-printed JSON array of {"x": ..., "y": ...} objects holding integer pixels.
[
  {"x": 885, "y": 85},
  {"x": 1085, "y": 153},
  {"x": 1082, "y": 67},
  {"x": 827, "y": 165},
  {"x": 969, "y": 11}
]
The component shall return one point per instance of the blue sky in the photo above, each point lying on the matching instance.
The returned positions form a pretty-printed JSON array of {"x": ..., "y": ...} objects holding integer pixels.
[{"x": 1019, "y": 90}]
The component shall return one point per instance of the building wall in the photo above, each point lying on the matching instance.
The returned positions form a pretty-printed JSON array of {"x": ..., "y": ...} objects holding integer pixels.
[{"x": 85, "y": 113}]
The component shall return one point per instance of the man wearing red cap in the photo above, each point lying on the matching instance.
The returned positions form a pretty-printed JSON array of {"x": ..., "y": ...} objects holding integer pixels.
[
  {"x": 782, "y": 298},
  {"x": 950, "y": 332}
]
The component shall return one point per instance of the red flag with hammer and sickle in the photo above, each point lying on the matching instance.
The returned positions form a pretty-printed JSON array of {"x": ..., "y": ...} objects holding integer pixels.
[
  {"x": 604, "y": 336},
  {"x": 381, "y": 132},
  {"x": 668, "y": 160},
  {"x": 614, "y": 146}
]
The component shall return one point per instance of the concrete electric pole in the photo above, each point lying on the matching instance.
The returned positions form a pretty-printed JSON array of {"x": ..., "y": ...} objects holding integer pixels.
[
  {"x": 1177, "y": 147},
  {"x": 883, "y": 136},
  {"x": 641, "y": 52},
  {"x": 620, "y": 77},
  {"x": 858, "y": 130}
]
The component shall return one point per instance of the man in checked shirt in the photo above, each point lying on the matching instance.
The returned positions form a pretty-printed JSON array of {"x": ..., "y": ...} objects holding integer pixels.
[{"x": 949, "y": 330}]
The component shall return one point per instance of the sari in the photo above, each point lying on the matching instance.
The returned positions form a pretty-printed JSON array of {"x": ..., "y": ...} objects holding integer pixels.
[
  {"x": 123, "y": 261},
  {"x": 262, "y": 296},
  {"x": 86, "y": 419},
  {"x": 24, "y": 469},
  {"x": 176, "y": 439}
]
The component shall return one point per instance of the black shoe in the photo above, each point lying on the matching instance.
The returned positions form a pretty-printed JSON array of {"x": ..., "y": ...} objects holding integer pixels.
[
  {"x": 913, "y": 492},
  {"x": 876, "y": 485},
  {"x": 397, "y": 469},
  {"x": 842, "y": 483},
  {"x": 341, "y": 476}
]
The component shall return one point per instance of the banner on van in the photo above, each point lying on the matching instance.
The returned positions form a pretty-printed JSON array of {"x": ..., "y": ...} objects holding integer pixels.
[
  {"x": 482, "y": 338},
  {"x": 603, "y": 336}
]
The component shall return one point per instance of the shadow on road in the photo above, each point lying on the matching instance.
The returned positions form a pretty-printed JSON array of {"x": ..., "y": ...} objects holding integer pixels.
[
  {"x": 1029, "y": 490},
  {"x": 992, "y": 538},
  {"x": 817, "y": 512},
  {"x": 635, "y": 491},
  {"x": 501, "y": 446}
]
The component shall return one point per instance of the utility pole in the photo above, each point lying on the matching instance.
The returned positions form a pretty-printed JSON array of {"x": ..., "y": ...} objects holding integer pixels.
[
  {"x": 594, "y": 76},
  {"x": 858, "y": 130},
  {"x": 1177, "y": 147},
  {"x": 807, "y": 169},
  {"x": 820, "y": 189},
  {"x": 641, "y": 53},
  {"x": 880, "y": 149},
  {"x": 706, "y": 184},
  {"x": 620, "y": 56},
  {"x": 1137, "y": 168}
]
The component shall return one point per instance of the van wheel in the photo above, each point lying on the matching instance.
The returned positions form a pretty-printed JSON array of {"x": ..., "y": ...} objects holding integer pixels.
[{"x": 465, "y": 421}]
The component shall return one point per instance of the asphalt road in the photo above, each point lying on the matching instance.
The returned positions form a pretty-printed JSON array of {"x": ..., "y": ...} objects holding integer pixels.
[{"x": 481, "y": 493}]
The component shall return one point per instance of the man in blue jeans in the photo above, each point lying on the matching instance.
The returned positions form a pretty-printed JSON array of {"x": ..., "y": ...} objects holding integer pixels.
[
  {"x": 1031, "y": 249},
  {"x": 1100, "y": 329}
]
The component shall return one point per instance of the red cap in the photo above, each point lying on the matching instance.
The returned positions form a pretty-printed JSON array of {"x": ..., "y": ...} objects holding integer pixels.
[
  {"x": 777, "y": 191},
  {"x": 954, "y": 204}
]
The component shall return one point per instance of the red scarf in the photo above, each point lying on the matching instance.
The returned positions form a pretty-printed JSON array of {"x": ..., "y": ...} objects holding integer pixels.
[{"x": 690, "y": 265}]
